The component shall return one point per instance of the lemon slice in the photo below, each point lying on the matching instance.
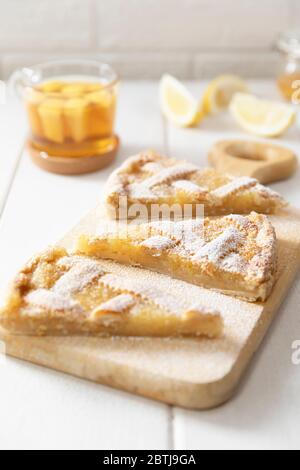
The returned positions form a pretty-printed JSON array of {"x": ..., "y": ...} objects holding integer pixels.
[
  {"x": 220, "y": 91},
  {"x": 261, "y": 117},
  {"x": 177, "y": 103}
]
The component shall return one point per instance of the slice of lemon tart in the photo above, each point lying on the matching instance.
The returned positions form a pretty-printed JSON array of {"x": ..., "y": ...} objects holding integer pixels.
[
  {"x": 149, "y": 179},
  {"x": 61, "y": 294},
  {"x": 235, "y": 254}
]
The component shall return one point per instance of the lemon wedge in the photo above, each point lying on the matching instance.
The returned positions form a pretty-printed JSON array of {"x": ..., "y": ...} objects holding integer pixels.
[
  {"x": 220, "y": 91},
  {"x": 177, "y": 103},
  {"x": 261, "y": 117}
]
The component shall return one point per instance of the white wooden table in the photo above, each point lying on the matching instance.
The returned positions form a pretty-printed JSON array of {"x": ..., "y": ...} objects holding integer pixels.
[{"x": 43, "y": 409}]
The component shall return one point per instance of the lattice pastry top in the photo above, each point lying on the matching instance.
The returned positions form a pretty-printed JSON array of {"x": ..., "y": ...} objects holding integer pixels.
[
  {"x": 151, "y": 178},
  {"x": 234, "y": 254},
  {"x": 57, "y": 293}
]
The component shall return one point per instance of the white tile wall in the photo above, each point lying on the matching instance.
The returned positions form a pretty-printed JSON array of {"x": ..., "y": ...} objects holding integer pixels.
[
  {"x": 144, "y": 38},
  {"x": 189, "y": 24},
  {"x": 45, "y": 25},
  {"x": 294, "y": 19}
]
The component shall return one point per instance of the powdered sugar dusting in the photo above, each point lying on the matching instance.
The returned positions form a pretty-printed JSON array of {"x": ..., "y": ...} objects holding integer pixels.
[
  {"x": 78, "y": 277},
  {"x": 169, "y": 174},
  {"x": 152, "y": 167},
  {"x": 51, "y": 300},
  {"x": 158, "y": 243},
  {"x": 189, "y": 233},
  {"x": 263, "y": 238},
  {"x": 59, "y": 297},
  {"x": 268, "y": 193},
  {"x": 192, "y": 235},
  {"x": 178, "y": 230},
  {"x": 221, "y": 246},
  {"x": 188, "y": 187},
  {"x": 70, "y": 261},
  {"x": 160, "y": 298},
  {"x": 118, "y": 304},
  {"x": 202, "y": 310},
  {"x": 235, "y": 186},
  {"x": 239, "y": 219},
  {"x": 234, "y": 263},
  {"x": 166, "y": 228},
  {"x": 143, "y": 190}
]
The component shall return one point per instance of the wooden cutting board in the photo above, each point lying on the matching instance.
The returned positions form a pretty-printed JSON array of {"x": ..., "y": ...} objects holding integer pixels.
[{"x": 192, "y": 373}]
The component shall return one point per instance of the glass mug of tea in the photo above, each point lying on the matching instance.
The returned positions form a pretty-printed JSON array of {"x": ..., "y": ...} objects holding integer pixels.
[{"x": 71, "y": 107}]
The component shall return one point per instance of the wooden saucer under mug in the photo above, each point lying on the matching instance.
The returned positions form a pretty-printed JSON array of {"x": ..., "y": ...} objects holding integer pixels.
[{"x": 73, "y": 165}]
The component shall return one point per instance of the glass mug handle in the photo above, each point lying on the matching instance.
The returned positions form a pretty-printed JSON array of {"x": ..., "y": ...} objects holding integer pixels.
[
  {"x": 21, "y": 78},
  {"x": 15, "y": 83}
]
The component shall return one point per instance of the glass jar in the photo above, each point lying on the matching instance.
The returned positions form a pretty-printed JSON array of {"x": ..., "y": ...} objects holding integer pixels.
[
  {"x": 71, "y": 109},
  {"x": 289, "y": 76}
]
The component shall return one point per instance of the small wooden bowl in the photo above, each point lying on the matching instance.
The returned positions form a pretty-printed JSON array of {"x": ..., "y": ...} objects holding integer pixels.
[
  {"x": 263, "y": 161},
  {"x": 73, "y": 165}
]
